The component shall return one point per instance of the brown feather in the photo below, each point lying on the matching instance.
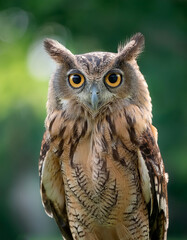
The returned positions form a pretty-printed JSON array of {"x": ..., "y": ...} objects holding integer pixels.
[
  {"x": 151, "y": 154},
  {"x": 50, "y": 178}
]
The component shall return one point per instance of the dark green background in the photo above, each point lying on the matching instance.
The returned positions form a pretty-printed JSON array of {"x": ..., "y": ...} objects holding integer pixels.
[{"x": 85, "y": 26}]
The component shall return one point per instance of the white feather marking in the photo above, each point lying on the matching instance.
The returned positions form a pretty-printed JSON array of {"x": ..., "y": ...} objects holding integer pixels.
[
  {"x": 52, "y": 181},
  {"x": 163, "y": 206},
  {"x": 158, "y": 198},
  {"x": 64, "y": 103},
  {"x": 155, "y": 132},
  {"x": 145, "y": 180},
  {"x": 167, "y": 177},
  {"x": 156, "y": 183}
]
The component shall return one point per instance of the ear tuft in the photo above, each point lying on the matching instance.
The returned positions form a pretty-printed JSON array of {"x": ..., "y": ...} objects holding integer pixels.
[
  {"x": 132, "y": 49},
  {"x": 58, "y": 52}
]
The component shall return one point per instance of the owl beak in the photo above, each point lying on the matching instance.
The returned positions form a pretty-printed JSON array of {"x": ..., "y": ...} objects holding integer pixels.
[{"x": 94, "y": 91}]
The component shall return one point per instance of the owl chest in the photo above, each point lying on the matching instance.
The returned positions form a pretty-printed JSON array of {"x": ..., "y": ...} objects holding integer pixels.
[{"x": 100, "y": 177}]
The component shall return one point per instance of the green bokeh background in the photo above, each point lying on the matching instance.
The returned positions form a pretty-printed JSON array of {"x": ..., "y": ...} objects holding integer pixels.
[{"x": 25, "y": 69}]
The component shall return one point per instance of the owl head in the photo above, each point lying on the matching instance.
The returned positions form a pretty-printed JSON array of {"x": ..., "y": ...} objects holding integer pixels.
[{"x": 97, "y": 81}]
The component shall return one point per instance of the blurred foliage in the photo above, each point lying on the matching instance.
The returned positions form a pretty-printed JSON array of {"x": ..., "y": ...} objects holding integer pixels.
[{"x": 85, "y": 26}]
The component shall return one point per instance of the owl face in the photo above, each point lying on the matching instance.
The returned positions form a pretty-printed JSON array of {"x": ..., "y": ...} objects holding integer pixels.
[{"x": 95, "y": 80}]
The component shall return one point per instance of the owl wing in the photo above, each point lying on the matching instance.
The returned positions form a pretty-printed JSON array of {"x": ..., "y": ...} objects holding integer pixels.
[
  {"x": 52, "y": 187},
  {"x": 154, "y": 183}
]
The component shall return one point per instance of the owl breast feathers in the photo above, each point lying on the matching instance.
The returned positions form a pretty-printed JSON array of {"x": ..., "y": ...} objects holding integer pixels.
[{"x": 101, "y": 173}]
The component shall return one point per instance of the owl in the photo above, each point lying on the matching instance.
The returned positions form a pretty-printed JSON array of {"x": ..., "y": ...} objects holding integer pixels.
[{"x": 102, "y": 176}]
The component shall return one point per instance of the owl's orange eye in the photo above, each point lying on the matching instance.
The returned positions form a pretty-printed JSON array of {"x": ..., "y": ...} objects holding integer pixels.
[
  {"x": 76, "y": 80},
  {"x": 113, "y": 79}
]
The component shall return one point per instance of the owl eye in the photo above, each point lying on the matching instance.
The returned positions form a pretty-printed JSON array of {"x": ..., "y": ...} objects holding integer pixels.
[
  {"x": 113, "y": 79},
  {"x": 76, "y": 80}
]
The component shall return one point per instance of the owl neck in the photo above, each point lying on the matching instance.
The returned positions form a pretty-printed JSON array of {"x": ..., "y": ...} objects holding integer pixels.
[{"x": 118, "y": 115}]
